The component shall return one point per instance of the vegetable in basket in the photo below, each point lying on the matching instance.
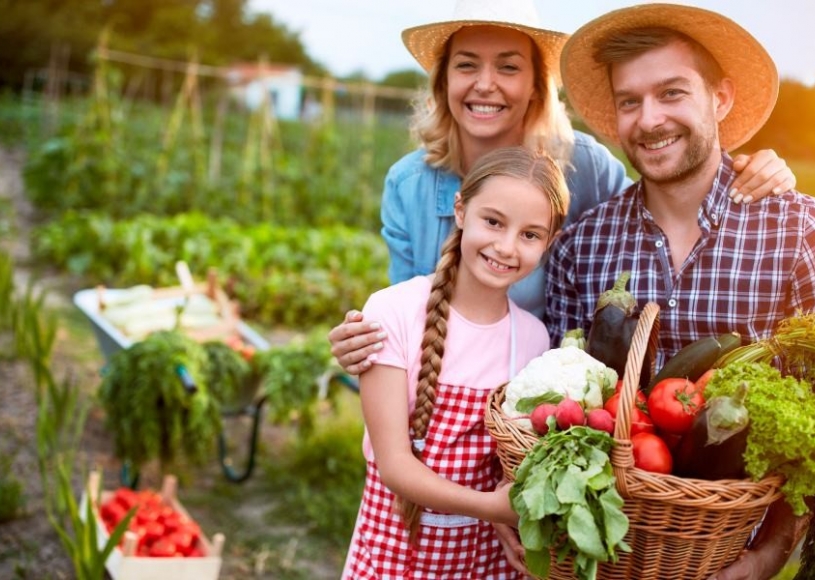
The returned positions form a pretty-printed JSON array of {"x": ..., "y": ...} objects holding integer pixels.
[
  {"x": 615, "y": 319},
  {"x": 567, "y": 502},
  {"x": 715, "y": 445},
  {"x": 696, "y": 358},
  {"x": 559, "y": 372},
  {"x": 781, "y": 436}
]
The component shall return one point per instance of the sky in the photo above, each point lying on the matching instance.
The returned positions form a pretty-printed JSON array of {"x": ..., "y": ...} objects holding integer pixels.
[{"x": 350, "y": 36}]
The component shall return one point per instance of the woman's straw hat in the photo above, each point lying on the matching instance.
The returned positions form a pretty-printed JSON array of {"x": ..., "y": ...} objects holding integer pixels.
[
  {"x": 740, "y": 55},
  {"x": 426, "y": 42}
]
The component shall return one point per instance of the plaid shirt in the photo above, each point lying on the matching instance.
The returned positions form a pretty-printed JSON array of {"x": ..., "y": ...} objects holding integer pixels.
[{"x": 753, "y": 265}]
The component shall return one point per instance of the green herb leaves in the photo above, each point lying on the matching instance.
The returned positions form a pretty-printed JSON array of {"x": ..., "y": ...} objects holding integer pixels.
[{"x": 565, "y": 496}]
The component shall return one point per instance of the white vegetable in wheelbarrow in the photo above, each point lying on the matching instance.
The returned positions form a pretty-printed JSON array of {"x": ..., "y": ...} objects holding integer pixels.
[{"x": 568, "y": 371}]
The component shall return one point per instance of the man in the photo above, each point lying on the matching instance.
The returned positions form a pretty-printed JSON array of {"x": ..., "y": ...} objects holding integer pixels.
[{"x": 677, "y": 87}]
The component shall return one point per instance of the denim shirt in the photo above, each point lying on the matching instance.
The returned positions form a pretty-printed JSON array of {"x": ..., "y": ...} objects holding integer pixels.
[{"x": 417, "y": 211}]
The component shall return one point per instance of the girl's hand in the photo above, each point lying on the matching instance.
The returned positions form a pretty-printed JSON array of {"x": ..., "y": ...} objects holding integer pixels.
[
  {"x": 513, "y": 549},
  {"x": 353, "y": 341},
  {"x": 759, "y": 175}
]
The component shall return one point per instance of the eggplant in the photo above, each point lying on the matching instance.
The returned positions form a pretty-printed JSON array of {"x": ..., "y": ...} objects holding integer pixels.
[
  {"x": 714, "y": 446},
  {"x": 615, "y": 320}
]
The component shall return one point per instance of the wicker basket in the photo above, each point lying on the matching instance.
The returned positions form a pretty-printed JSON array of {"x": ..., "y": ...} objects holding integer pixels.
[{"x": 680, "y": 528}]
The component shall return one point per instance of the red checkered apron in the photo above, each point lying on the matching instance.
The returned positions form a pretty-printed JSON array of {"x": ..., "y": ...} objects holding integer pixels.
[{"x": 459, "y": 448}]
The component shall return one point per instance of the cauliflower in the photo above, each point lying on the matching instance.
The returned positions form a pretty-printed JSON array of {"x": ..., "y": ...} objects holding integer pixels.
[{"x": 569, "y": 371}]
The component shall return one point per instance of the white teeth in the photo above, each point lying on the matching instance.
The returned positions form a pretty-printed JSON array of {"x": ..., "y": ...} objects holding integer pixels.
[
  {"x": 485, "y": 109},
  {"x": 496, "y": 265},
  {"x": 661, "y": 144}
]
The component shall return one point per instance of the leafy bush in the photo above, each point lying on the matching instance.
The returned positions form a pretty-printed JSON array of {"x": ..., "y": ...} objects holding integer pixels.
[
  {"x": 322, "y": 476},
  {"x": 290, "y": 276}
]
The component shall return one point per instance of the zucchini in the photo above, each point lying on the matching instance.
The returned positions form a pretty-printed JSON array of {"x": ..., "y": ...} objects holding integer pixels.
[{"x": 695, "y": 358}]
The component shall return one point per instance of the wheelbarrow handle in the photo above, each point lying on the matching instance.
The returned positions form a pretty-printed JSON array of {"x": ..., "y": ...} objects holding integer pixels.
[
  {"x": 255, "y": 411},
  {"x": 186, "y": 379}
]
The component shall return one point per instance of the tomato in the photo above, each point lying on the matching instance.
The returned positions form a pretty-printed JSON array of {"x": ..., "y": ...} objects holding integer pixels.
[
  {"x": 153, "y": 531},
  {"x": 163, "y": 548},
  {"x": 651, "y": 453},
  {"x": 112, "y": 512},
  {"x": 640, "y": 421},
  {"x": 702, "y": 381},
  {"x": 183, "y": 540},
  {"x": 126, "y": 497},
  {"x": 673, "y": 403}
]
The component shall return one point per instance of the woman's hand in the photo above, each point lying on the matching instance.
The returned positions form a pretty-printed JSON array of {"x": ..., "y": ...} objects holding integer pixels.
[
  {"x": 759, "y": 175},
  {"x": 353, "y": 341}
]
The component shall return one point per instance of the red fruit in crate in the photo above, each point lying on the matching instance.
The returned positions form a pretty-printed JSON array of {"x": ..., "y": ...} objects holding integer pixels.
[
  {"x": 163, "y": 548},
  {"x": 153, "y": 531},
  {"x": 183, "y": 540},
  {"x": 112, "y": 512},
  {"x": 126, "y": 497}
]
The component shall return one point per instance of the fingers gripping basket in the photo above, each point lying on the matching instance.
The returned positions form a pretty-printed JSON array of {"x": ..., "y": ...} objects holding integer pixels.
[{"x": 679, "y": 528}]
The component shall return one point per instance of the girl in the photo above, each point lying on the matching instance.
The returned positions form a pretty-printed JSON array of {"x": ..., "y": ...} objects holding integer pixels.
[
  {"x": 493, "y": 82},
  {"x": 430, "y": 492}
]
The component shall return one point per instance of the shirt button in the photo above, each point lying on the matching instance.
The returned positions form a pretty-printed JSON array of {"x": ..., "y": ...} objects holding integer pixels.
[
  {"x": 659, "y": 243},
  {"x": 672, "y": 303}
]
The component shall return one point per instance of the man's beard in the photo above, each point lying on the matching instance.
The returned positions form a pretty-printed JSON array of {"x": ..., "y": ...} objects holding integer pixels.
[{"x": 698, "y": 151}]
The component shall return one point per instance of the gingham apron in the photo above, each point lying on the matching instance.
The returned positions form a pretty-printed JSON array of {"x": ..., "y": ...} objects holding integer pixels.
[{"x": 459, "y": 448}]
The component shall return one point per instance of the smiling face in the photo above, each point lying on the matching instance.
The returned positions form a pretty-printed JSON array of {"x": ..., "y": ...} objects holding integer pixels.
[
  {"x": 490, "y": 79},
  {"x": 505, "y": 231},
  {"x": 667, "y": 116}
]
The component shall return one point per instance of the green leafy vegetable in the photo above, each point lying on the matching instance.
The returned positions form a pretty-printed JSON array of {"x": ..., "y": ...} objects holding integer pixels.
[
  {"x": 565, "y": 497},
  {"x": 782, "y": 425}
]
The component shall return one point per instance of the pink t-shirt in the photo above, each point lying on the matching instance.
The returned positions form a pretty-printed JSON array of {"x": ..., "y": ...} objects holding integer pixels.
[{"x": 475, "y": 355}]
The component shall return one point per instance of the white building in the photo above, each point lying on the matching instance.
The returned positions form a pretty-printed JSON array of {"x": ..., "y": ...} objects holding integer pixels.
[{"x": 282, "y": 83}]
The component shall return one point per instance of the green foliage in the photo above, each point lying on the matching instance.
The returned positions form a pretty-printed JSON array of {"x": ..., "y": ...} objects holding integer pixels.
[
  {"x": 782, "y": 430},
  {"x": 291, "y": 276},
  {"x": 230, "y": 378},
  {"x": 150, "y": 412},
  {"x": 290, "y": 376},
  {"x": 567, "y": 503},
  {"x": 12, "y": 499},
  {"x": 322, "y": 475},
  {"x": 60, "y": 422}
]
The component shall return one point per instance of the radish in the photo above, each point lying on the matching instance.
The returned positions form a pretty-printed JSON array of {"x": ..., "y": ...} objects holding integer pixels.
[
  {"x": 540, "y": 415},
  {"x": 569, "y": 413},
  {"x": 601, "y": 420}
]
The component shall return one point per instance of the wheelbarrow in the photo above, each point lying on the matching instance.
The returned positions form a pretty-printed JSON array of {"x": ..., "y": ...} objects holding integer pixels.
[{"x": 91, "y": 302}]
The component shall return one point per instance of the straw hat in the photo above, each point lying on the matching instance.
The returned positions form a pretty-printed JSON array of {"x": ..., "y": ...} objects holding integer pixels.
[
  {"x": 426, "y": 42},
  {"x": 740, "y": 55}
]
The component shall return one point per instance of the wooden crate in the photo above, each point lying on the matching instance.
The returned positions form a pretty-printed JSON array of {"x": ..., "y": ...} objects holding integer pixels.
[{"x": 124, "y": 564}]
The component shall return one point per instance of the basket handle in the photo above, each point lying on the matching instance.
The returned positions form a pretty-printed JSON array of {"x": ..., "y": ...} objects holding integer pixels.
[{"x": 644, "y": 340}]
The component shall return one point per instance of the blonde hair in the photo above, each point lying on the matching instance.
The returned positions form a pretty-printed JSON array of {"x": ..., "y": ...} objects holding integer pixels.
[
  {"x": 547, "y": 129},
  {"x": 516, "y": 162}
]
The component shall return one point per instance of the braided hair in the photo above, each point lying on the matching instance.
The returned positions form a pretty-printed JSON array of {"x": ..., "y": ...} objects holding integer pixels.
[{"x": 517, "y": 162}]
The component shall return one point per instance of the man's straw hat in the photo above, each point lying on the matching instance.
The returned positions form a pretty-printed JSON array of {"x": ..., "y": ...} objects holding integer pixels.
[
  {"x": 740, "y": 55},
  {"x": 426, "y": 42}
]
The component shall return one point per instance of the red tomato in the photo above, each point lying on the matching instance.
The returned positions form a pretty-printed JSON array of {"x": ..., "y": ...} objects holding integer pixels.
[
  {"x": 152, "y": 532},
  {"x": 701, "y": 382},
  {"x": 640, "y": 422},
  {"x": 112, "y": 512},
  {"x": 651, "y": 453},
  {"x": 183, "y": 541},
  {"x": 673, "y": 403},
  {"x": 163, "y": 548},
  {"x": 126, "y": 497}
]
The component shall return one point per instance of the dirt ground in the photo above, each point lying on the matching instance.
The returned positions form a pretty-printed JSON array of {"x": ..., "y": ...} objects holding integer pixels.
[{"x": 256, "y": 545}]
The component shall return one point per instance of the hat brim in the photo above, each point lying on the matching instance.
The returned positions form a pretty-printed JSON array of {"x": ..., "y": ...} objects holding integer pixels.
[
  {"x": 426, "y": 43},
  {"x": 741, "y": 57}
]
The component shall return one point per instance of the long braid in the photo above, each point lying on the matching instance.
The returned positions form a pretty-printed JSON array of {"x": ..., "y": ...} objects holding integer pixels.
[{"x": 435, "y": 333}]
